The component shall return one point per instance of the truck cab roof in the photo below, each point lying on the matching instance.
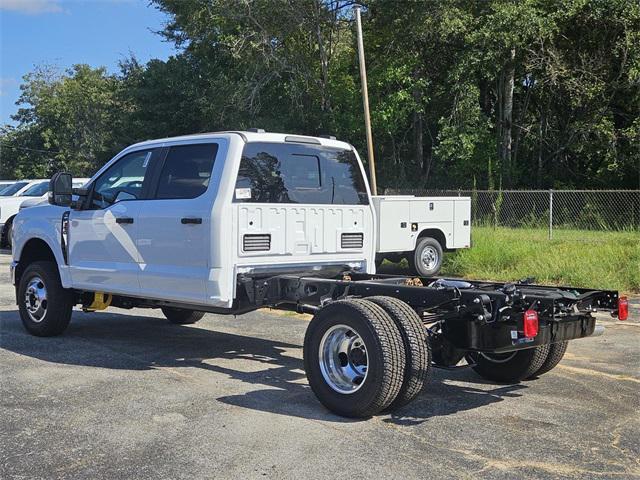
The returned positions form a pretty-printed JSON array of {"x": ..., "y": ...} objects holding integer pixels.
[{"x": 248, "y": 137}]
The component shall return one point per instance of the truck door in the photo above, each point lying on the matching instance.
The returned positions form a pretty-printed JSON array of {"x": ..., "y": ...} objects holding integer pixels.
[
  {"x": 175, "y": 225},
  {"x": 102, "y": 239}
]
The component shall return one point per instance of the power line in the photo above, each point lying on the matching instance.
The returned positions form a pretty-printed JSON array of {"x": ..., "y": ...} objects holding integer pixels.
[{"x": 28, "y": 149}]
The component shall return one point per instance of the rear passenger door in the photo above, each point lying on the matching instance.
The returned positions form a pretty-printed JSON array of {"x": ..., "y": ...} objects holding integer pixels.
[{"x": 175, "y": 225}]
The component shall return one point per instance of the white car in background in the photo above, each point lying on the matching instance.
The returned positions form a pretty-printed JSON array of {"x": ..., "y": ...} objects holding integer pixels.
[
  {"x": 12, "y": 188},
  {"x": 6, "y": 183},
  {"x": 35, "y": 192}
]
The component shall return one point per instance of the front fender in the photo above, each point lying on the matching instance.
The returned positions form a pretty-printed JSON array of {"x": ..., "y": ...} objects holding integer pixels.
[{"x": 43, "y": 223}]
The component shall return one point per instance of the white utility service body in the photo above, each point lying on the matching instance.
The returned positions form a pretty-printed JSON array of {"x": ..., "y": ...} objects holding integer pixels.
[{"x": 402, "y": 220}]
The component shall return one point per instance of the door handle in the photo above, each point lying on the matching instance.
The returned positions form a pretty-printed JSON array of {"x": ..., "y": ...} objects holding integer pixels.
[
  {"x": 124, "y": 220},
  {"x": 191, "y": 220}
]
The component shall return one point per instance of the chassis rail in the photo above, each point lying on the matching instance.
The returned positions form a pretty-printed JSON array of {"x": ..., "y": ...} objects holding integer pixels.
[{"x": 460, "y": 315}]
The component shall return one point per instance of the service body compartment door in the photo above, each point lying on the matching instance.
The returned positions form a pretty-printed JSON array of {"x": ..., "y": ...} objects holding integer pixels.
[
  {"x": 394, "y": 225},
  {"x": 431, "y": 210},
  {"x": 462, "y": 224}
]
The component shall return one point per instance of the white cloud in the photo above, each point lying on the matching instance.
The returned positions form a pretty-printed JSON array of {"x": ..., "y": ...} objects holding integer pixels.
[{"x": 31, "y": 7}]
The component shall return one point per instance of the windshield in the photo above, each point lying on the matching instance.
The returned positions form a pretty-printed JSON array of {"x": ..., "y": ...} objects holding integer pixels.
[
  {"x": 11, "y": 189},
  {"x": 299, "y": 173},
  {"x": 36, "y": 190}
]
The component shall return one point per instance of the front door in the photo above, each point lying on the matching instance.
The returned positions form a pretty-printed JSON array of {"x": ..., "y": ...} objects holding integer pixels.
[{"x": 103, "y": 255}]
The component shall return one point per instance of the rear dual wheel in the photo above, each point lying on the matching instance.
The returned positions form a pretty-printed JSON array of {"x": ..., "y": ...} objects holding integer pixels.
[
  {"x": 362, "y": 356},
  {"x": 515, "y": 366}
]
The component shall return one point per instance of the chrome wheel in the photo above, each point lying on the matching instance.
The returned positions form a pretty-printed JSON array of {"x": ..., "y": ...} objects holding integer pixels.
[
  {"x": 343, "y": 359},
  {"x": 35, "y": 299},
  {"x": 498, "y": 357},
  {"x": 429, "y": 257}
]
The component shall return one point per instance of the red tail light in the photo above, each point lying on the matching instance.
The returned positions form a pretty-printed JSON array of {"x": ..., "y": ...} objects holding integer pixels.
[
  {"x": 623, "y": 308},
  {"x": 530, "y": 323}
]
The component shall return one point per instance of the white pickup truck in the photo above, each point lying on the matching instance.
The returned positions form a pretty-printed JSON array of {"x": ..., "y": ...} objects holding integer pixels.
[{"x": 233, "y": 221}]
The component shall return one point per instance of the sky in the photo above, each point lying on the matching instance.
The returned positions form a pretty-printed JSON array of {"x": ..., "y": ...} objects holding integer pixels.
[{"x": 66, "y": 32}]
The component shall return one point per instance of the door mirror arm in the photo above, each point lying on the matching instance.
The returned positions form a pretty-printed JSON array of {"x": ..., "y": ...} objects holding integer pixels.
[{"x": 82, "y": 195}]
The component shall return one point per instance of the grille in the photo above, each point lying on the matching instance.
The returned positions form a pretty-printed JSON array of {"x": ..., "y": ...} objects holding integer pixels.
[
  {"x": 351, "y": 240},
  {"x": 256, "y": 243}
]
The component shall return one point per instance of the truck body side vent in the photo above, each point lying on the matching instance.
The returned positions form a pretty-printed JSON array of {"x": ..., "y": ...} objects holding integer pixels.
[
  {"x": 256, "y": 242},
  {"x": 351, "y": 240}
]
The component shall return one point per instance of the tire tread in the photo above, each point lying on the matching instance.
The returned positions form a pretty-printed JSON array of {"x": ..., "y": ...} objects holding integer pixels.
[{"x": 416, "y": 346}]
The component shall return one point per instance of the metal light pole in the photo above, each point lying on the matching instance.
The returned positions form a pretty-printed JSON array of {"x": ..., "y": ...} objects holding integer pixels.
[{"x": 365, "y": 103}]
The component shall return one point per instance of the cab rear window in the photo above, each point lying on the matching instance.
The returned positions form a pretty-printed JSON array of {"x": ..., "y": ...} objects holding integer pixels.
[{"x": 295, "y": 173}]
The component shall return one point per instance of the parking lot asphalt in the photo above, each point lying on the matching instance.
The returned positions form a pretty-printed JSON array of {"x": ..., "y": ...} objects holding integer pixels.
[{"x": 125, "y": 394}]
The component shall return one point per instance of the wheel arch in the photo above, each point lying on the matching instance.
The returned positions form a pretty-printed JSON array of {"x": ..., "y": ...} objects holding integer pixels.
[
  {"x": 435, "y": 233},
  {"x": 33, "y": 250}
]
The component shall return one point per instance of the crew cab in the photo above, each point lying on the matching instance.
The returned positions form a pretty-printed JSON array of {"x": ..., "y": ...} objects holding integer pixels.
[{"x": 230, "y": 222}]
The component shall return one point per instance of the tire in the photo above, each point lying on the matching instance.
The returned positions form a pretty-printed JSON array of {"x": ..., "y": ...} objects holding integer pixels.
[
  {"x": 510, "y": 367},
  {"x": 45, "y": 307},
  {"x": 416, "y": 348},
  {"x": 426, "y": 260},
  {"x": 180, "y": 316},
  {"x": 556, "y": 352},
  {"x": 336, "y": 375},
  {"x": 7, "y": 234}
]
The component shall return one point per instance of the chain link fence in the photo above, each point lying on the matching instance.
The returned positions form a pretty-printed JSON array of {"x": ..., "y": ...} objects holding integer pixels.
[{"x": 560, "y": 212}]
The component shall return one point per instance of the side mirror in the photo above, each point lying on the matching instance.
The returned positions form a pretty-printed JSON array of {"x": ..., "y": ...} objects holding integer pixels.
[{"x": 61, "y": 189}]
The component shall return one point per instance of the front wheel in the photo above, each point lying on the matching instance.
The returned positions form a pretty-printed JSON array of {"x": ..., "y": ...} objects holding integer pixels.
[
  {"x": 509, "y": 367},
  {"x": 45, "y": 306},
  {"x": 427, "y": 257}
]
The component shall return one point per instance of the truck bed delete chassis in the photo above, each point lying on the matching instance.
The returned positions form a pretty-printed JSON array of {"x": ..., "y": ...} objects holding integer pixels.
[{"x": 459, "y": 315}]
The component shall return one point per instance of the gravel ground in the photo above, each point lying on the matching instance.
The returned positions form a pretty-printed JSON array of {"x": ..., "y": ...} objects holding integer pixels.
[{"x": 124, "y": 394}]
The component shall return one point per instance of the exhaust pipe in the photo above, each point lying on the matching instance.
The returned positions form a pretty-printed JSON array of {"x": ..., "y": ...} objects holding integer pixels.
[{"x": 599, "y": 330}]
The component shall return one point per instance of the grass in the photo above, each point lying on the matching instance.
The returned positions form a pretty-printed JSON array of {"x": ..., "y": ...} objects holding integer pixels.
[{"x": 580, "y": 258}]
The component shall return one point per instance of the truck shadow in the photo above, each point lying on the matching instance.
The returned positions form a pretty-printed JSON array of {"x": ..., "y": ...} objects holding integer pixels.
[{"x": 129, "y": 342}]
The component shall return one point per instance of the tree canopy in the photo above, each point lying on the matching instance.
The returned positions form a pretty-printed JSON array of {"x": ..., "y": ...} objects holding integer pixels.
[{"x": 518, "y": 94}]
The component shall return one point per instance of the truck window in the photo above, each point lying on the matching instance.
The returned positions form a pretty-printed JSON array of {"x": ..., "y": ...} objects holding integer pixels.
[
  {"x": 186, "y": 171},
  {"x": 295, "y": 173},
  {"x": 123, "y": 179}
]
